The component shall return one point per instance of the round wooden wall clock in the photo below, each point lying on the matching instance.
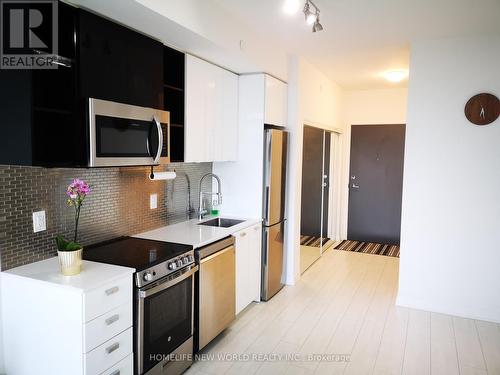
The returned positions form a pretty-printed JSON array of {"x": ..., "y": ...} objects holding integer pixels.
[{"x": 482, "y": 109}]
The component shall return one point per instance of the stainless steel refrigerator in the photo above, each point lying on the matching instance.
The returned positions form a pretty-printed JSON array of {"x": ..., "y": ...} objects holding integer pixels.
[{"x": 273, "y": 229}]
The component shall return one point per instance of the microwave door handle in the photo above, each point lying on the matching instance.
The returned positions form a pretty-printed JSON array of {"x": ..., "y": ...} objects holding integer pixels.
[{"x": 160, "y": 140}]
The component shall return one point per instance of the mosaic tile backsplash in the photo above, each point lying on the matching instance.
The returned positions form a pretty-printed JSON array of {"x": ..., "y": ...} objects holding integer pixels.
[{"x": 118, "y": 205}]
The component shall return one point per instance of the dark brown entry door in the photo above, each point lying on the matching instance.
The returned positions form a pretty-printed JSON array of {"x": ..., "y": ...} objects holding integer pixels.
[{"x": 376, "y": 183}]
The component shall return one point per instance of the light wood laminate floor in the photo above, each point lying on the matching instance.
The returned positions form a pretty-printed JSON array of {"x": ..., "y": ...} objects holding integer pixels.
[{"x": 345, "y": 305}]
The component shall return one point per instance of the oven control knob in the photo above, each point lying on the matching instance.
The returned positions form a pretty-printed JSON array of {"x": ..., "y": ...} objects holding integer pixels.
[
  {"x": 185, "y": 260},
  {"x": 172, "y": 266},
  {"x": 148, "y": 276},
  {"x": 179, "y": 263},
  {"x": 191, "y": 258}
]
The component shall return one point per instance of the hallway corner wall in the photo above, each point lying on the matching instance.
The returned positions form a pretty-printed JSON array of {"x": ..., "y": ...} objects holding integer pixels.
[
  {"x": 313, "y": 99},
  {"x": 451, "y": 206}
]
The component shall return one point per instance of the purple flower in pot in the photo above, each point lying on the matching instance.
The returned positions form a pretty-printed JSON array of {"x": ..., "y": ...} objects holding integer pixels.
[{"x": 76, "y": 193}]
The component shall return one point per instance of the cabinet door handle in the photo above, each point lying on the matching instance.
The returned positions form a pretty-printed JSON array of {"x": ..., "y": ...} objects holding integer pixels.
[
  {"x": 112, "y": 319},
  {"x": 112, "y": 290},
  {"x": 243, "y": 234},
  {"x": 110, "y": 349},
  {"x": 116, "y": 372}
]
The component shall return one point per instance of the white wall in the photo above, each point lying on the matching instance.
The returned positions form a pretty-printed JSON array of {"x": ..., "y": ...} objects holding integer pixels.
[
  {"x": 315, "y": 100},
  {"x": 367, "y": 107},
  {"x": 450, "y": 255},
  {"x": 211, "y": 21}
]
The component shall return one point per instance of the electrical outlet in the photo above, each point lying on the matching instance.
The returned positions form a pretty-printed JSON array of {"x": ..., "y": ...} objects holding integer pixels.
[
  {"x": 39, "y": 222},
  {"x": 153, "y": 201}
]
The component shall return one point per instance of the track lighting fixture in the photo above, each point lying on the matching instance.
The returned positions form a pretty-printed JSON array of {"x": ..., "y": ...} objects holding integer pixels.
[
  {"x": 309, "y": 14},
  {"x": 310, "y": 10}
]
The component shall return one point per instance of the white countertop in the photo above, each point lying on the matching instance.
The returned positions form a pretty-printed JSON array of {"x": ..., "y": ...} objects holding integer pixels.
[
  {"x": 93, "y": 274},
  {"x": 190, "y": 233}
]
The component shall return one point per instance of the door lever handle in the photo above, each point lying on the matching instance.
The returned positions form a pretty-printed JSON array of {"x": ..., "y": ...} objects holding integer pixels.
[{"x": 354, "y": 186}]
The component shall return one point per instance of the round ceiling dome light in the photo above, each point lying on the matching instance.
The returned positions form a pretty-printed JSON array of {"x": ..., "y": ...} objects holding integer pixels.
[{"x": 395, "y": 75}]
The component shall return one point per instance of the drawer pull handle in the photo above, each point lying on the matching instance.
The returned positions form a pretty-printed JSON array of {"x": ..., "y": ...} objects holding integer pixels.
[
  {"x": 112, "y": 319},
  {"x": 116, "y": 372},
  {"x": 112, "y": 348},
  {"x": 112, "y": 290},
  {"x": 243, "y": 234}
]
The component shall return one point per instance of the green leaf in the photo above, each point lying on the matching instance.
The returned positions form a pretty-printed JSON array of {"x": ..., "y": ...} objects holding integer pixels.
[
  {"x": 64, "y": 245},
  {"x": 72, "y": 246},
  {"x": 61, "y": 243}
]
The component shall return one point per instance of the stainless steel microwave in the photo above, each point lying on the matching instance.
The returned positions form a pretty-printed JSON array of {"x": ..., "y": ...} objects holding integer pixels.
[{"x": 127, "y": 135}]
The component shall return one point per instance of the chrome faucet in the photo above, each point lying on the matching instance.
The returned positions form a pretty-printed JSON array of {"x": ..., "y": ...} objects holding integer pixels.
[{"x": 201, "y": 210}]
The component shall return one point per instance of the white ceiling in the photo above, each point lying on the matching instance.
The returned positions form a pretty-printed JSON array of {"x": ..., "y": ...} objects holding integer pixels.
[{"x": 363, "y": 38}]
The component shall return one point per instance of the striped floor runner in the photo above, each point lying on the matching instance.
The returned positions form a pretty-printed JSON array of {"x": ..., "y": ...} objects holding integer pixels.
[
  {"x": 312, "y": 241},
  {"x": 369, "y": 247}
]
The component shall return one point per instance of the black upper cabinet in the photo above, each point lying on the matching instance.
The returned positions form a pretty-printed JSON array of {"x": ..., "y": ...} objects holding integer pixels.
[
  {"x": 44, "y": 112},
  {"x": 119, "y": 64},
  {"x": 173, "y": 67},
  {"x": 41, "y": 124},
  {"x": 173, "y": 74},
  {"x": 58, "y": 121}
]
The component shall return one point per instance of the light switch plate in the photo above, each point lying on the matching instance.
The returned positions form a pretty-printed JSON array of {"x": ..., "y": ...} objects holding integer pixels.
[
  {"x": 39, "y": 222},
  {"x": 153, "y": 201}
]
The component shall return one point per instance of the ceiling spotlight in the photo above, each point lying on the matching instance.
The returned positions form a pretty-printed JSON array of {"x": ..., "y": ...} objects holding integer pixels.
[
  {"x": 291, "y": 6},
  {"x": 317, "y": 26},
  {"x": 312, "y": 17}
]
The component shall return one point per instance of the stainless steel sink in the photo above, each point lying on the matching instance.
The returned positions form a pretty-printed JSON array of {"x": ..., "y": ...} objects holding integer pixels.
[{"x": 221, "y": 222}]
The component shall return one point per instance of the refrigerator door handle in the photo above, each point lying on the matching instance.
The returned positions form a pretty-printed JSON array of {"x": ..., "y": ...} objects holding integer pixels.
[
  {"x": 266, "y": 202},
  {"x": 281, "y": 221},
  {"x": 265, "y": 242}
]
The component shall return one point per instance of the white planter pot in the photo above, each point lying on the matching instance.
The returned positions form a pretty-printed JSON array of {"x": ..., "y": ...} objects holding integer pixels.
[{"x": 70, "y": 261}]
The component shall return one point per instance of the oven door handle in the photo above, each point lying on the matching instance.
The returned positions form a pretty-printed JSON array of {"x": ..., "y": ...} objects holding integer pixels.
[
  {"x": 148, "y": 292},
  {"x": 156, "y": 160}
]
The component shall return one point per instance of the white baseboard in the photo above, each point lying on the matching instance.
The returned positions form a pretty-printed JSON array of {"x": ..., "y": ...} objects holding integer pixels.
[{"x": 426, "y": 306}]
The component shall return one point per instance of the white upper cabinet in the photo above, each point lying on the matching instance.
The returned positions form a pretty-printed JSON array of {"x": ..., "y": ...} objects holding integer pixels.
[
  {"x": 211, "y": 123},
  {"x": 275, "y": 101}
]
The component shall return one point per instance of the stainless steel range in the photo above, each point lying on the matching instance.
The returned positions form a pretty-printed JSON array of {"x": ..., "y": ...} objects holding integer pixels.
[{"x": 163, "y": 300}]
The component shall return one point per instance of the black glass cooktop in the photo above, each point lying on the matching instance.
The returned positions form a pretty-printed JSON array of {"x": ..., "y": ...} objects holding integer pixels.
[{"x": 134, "y": 252}]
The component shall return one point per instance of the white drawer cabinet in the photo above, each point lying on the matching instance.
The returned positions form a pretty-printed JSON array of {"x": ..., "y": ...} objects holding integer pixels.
[
  {"x": 109, "y": 353},
  {"x": 211, "y": 117},
  {"x": 79, "y": 325},
  {"x": 107, "y": 297},
  {"x": 248, "y": 265},
  {"x": 124, "y": 367},
  {"x": 107, "y": 326}
]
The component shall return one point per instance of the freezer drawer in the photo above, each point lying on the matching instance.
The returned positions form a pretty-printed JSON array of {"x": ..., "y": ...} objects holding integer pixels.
[{"x": 272, "y": 259}]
